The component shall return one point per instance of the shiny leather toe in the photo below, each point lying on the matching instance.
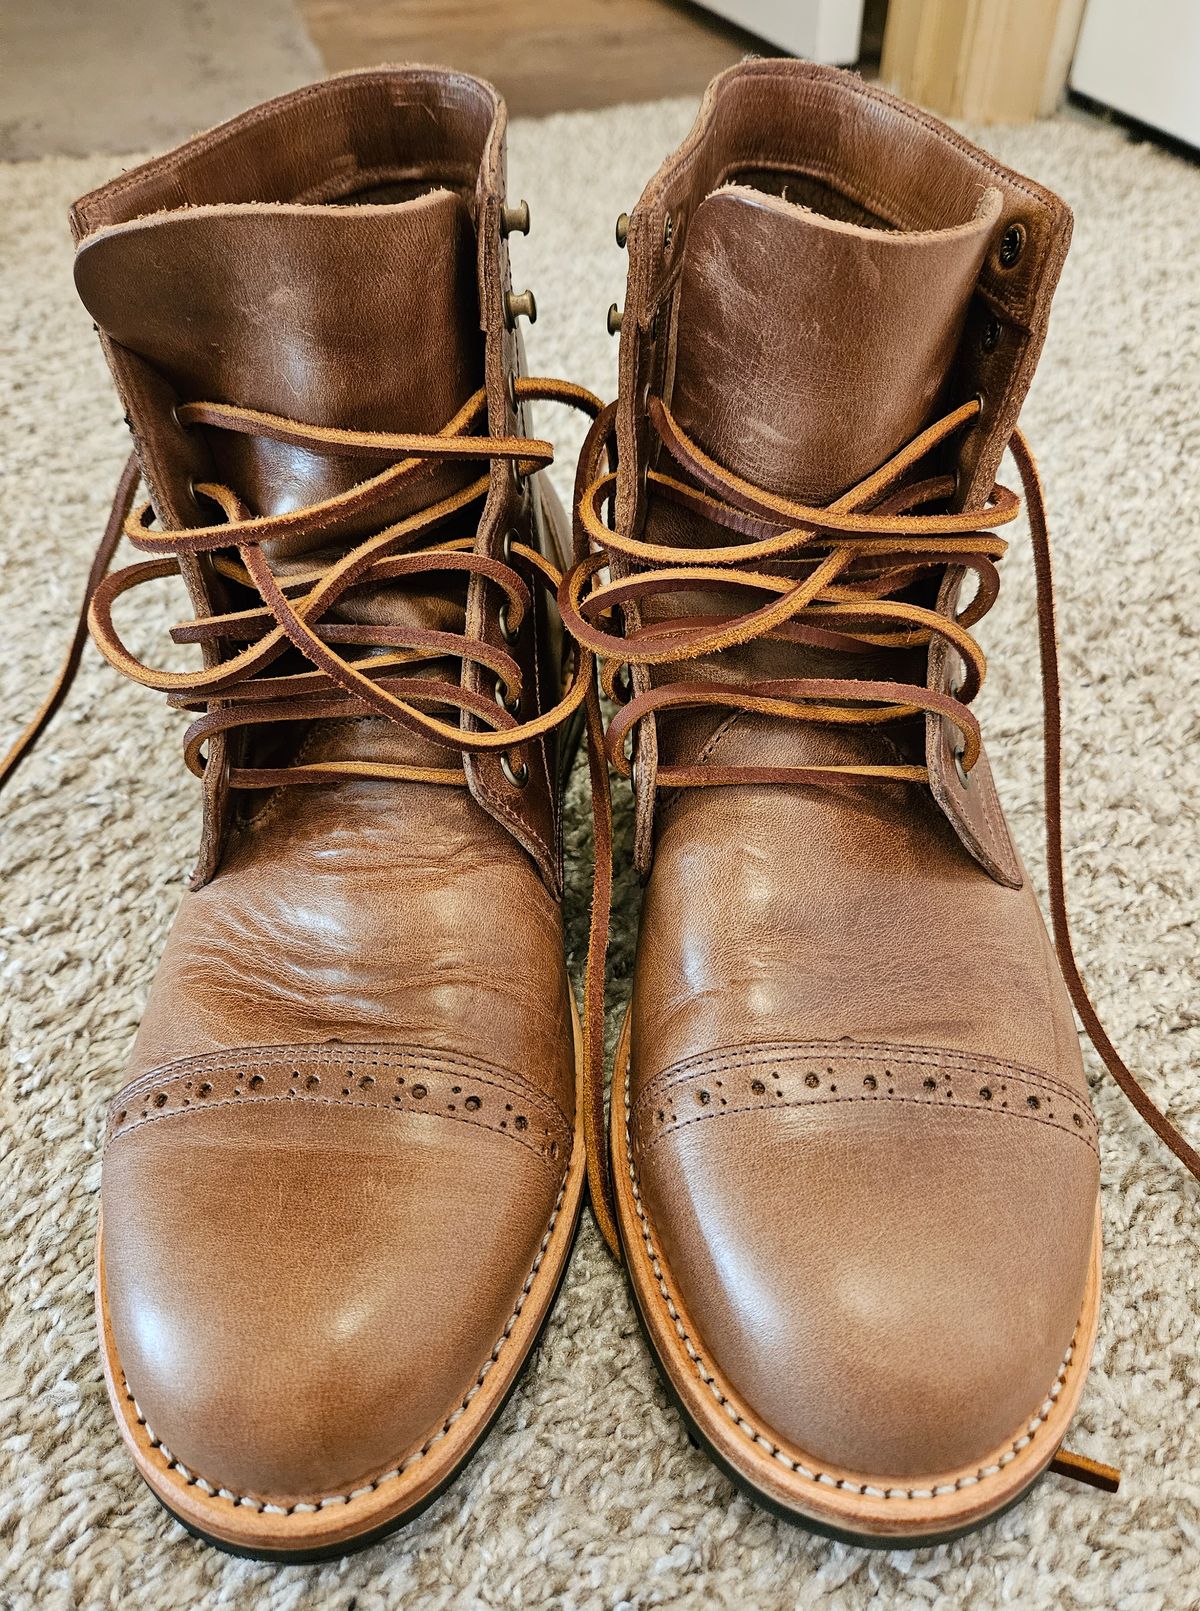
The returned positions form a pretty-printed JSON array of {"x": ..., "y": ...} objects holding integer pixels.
[
  {"x": 305, "y": 1280},
  {"x": 921, "y": 1324}
]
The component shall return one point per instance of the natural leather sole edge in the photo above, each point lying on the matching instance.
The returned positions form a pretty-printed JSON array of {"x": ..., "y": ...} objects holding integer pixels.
[
  {"x": 342, "y": 1523},
  {"x": 872, "y": 1511}
]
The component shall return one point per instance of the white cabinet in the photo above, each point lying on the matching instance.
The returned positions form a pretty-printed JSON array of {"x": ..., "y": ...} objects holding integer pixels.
[
  {"x": 1143, "y": 60},
  {"x": 827, "y": 31}
]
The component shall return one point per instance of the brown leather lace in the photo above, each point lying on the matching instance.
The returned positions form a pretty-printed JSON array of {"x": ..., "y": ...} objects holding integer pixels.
[
  {"x": 235, "y": 691},
  {"x": 876, "y": 542},
  {"x": 844, "y": 565}
]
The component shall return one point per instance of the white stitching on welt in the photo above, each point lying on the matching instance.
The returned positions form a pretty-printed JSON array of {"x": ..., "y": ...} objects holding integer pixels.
[
  {"x": 265, "y": 1507},
  {"x": 757, "y": 1436}
]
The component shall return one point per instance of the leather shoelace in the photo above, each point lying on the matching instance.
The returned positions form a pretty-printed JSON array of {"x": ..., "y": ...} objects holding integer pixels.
[
  {"x": 877, "y": 546},
  {"x": 838, "y": 571},
  {"x": 235, "y": 690}
]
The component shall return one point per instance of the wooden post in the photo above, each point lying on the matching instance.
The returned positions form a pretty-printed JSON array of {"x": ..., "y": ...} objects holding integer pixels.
[{"x": 987, "y": 61}]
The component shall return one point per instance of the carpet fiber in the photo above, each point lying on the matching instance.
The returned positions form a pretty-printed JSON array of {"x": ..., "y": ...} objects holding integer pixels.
[{"x": 588, "y": 1493}]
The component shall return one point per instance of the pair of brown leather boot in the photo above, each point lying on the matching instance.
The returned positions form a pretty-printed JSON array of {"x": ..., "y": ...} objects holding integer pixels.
[{"x": 853, "y": 1168}]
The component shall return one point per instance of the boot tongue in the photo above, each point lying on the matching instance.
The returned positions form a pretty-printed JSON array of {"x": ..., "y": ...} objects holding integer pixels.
[
  {"x": 361, "y": 317},
  {"x": 364, "y": 317},
  {"x": 810, "y": 350}
]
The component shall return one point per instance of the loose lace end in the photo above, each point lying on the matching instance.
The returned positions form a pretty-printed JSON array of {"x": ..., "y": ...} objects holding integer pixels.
[{"x": 1094, "y": 1473}]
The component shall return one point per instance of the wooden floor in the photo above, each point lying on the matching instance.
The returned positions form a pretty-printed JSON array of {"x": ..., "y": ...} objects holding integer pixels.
[{"x": 544, "y": 55}]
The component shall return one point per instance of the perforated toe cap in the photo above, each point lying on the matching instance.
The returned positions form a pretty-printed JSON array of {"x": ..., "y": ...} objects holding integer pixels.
[
  {"x": 883, "y": 1254},
  {"x": 303, "y": 1288}
]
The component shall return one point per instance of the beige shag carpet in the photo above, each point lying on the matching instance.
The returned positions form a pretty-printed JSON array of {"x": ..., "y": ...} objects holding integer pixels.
[{"x": 588, "y": 1493}]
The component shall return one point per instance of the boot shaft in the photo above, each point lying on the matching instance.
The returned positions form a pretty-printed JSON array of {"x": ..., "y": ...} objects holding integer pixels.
[
  {"x": 337, "y": 257},
  {"x": 814, "y": 274}
]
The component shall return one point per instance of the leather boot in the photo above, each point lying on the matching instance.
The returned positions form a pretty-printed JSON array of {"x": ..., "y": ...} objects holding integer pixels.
[
  {"x": 340, "y": 1186},
  {"x": 854, "y": 1164}
]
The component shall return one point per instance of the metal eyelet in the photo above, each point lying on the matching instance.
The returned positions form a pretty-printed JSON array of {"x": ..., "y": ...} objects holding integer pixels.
[
  {"x": 505, "y": 699},
  {"x": 1012, "y": 244},
  {"x": 990, "y": 338},
  {"x": 964, "y": 777},
  {"x": 668, "y": 232},
  {"x": 515, "y": 220},
  {"x": 506, "y": 547},
  {"x": 506, "y": 631},
  {"x": 517, "y": 775},
  {"x": 512, "y": 390},
  {"x": 519, "y": 305}
]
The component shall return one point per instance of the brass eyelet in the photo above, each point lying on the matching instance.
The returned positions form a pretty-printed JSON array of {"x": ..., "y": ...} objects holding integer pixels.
[
  {"x": 519, "y": 305},
  {"x": 517, "y": 775},
  {"x": 515, "y": 220}
]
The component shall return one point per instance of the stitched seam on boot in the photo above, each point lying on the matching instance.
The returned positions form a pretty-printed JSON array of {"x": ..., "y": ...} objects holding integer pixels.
[
  {"x": 759, "y": 1437},
  {"x": 833, "y": 1101},
  {"x": 542, "y": 1128},
  {"x": 878, "y": 1065},
  {"x": 657, "y": 1107},
  {"x": 309, "y": 1507},
  {"x": 766, "y": 1052}
]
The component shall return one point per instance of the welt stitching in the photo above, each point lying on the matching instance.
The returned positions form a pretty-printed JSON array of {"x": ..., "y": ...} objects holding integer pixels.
[
  {"x": 773, "y": 1051},
  {"x": 266, "y": 1508},
  {"x": 320, "y": 1101},
  {"x": 757, "y": 1436},
  {"x": 832, "y": 1101}
]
